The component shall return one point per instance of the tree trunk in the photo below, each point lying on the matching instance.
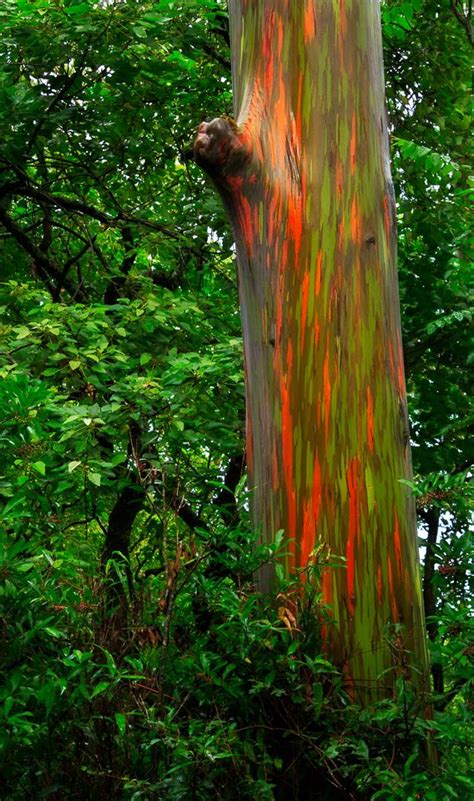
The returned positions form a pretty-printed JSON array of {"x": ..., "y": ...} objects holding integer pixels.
[
  {"x": 304, "y": 173},
  {"x": 431, "y": 517}
]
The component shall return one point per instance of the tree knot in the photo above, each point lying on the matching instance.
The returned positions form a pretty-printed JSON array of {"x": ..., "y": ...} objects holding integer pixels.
[{"x": 220, "y": 148}]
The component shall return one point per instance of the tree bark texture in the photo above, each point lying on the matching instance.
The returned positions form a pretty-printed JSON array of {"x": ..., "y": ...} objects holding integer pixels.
[{"x": 305, "y": 176}]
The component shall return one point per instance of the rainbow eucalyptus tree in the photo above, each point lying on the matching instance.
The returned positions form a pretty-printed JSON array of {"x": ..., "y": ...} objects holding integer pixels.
[{"x": 304, "y": 174}]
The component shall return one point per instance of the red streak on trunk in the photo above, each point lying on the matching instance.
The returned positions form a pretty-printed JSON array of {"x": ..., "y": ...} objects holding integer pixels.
[
  {"x": 353, "y": 143},
  {"x": 316, "y": 332},
  {"x": 401, "y": 370},
  {"x": 246, "y": 223},
  {"x": 398, "y": 547},
  {"x": 295, "y": 224},
  {"x": 318, "y": 272},
  {"x": 307, "y": 539},
  {"x": 311, "y": 514},
  {"x": 370, "y": 421},
  {"x": 393, "y": 601}
]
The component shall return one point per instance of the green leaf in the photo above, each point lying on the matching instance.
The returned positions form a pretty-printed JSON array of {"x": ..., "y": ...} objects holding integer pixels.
[
  {"x": 101, "y": 687},
  {"x": 54, "y": 632},
  {"x": 40, "y": 467},
  {"x": 72, "y": 465},
  {"x": 121, "y": 721},
  {"x": 94, "y": 478},
  {"x": 22, "y": 332}
]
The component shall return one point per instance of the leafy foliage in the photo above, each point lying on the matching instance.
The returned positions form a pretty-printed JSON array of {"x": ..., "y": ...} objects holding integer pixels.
[{"x": 137, "y": 659}]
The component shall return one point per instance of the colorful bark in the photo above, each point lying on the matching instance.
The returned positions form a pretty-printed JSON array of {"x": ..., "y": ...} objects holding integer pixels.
[{"x": 305, "y": 177}]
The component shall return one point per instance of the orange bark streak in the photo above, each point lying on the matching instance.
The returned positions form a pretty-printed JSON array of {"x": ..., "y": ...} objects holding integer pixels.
[
  {"x": 401, "y": 370},
  {"x": 353, "y": 143},
  {"x": 309, "y": 25},
  {"x": 318, "y": 272},
  {"x": 280, "y": 37},
  {"x": 295, "y": 224},
  {"x": 255, "y": 222},
  {"x": 245, "y": 218},
  {"x": 370, "y": 420},
  {"x": 342, "y": 18},
  {"x": 307, "y": 539},
  {"x": 398, "y": 548},
  {"x": 280, "y": 118},
  {"x": 317, "y": 330},
  {"x": 393, "y": 602},
  {"x": 355, "y": 221}
]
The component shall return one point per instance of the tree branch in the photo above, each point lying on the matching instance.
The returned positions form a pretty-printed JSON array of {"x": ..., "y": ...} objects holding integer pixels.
[
  {"x": 58, "y": 97},
  {"x": 225, "y": 499},
  {"x": 85, "y": 209},
  {"x": 113, "y": 291},
  {"x": 457, "y": 7},
  {"x": 48, "y": 271}
]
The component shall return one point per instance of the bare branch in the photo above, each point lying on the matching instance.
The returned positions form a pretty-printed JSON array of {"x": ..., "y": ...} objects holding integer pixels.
[
  {"x": 87, "y": 210},
  {"x": 48, "y": 271}
]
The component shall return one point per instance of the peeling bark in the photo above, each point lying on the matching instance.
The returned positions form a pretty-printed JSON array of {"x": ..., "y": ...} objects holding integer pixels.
[{"x": 304, "y": 174}]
